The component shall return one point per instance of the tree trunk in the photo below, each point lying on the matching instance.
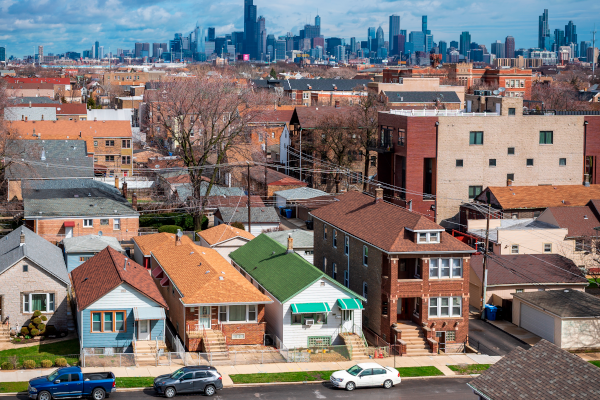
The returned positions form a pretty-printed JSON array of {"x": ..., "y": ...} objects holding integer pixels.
[
  {"x": 366, "y": 170},
  {"x": 198, "y": 217}
]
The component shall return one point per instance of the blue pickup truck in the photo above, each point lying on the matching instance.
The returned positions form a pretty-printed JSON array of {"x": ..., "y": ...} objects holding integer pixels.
[{"x": 71, "y": 383}]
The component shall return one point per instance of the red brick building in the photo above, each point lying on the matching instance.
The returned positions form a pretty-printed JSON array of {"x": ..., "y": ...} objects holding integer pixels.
[{"x": 412, "y": 273}]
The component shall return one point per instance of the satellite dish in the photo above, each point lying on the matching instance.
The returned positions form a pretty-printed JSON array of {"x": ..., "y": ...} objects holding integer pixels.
[
  {"x": 99, "y": 233},
  {"x": 501, "y": 89},
  {"x": 496, "y": 92}
]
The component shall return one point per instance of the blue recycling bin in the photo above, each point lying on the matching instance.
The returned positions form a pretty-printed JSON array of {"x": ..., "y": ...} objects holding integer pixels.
[
  {"x": 281, "y": 210},
  {"x": 490, "y": 312},
  {"x": 288, "y": 213}
]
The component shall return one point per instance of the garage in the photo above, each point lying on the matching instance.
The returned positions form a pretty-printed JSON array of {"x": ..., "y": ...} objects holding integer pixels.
[{"x": 537, "y": 322}]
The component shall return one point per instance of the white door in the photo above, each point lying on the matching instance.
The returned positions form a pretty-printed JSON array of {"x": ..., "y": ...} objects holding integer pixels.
[
  {"x": 144, "y": 330},
  {"x": 365, "y": 378},
  {"x": 537, "y": 322},
  {"x": 498, "y": 108},
  {"x": 347, "y": 320},
  {"x": 204, "y": 317},
  {"x": 68, "y": 231}
]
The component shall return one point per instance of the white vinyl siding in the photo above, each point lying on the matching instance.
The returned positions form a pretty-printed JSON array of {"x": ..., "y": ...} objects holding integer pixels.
[
  {"x": 537, "y": 322},
  {"x": 123, "y": 296}
]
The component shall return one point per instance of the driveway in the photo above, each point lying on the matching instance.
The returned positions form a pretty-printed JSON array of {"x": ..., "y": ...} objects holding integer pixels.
[{"x": 491, "y": 340}]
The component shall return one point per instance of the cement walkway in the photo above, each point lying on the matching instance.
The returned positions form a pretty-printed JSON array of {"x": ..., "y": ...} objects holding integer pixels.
[
  {"x": 513, "y": 330},
  {"x": 440, "y": 362}
]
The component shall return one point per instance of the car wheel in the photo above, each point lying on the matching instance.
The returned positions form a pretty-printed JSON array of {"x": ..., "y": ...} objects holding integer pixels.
[
  {"x": 209, "y": 390},
  {"x": 169, "y": 392},
  {"x": 44, "y": 396},
  {"x": 388, "y": 384},
  {"x": 350, "y": 386},
  {"x": 98, "y": 394}
]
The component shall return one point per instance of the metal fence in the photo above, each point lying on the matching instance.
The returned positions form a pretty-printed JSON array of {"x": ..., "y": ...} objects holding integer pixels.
[
  {"x": 481, "y": 348},
  {"x": 32, "y": 361}
]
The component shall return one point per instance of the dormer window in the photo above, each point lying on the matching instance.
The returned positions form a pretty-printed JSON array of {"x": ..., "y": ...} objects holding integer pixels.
[{"x": 428, "y": 237}]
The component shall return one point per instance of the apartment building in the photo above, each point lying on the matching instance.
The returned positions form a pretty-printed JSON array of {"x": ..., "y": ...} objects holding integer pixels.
[
  {"x": 109, "y": 142},
  {"x": 443, "y": 158}
]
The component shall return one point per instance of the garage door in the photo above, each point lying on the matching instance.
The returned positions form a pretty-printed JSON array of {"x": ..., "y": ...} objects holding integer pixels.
[{"x": 537, "y": 322}]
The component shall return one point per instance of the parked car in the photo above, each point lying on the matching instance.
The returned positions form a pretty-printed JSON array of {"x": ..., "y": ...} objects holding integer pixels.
[
  {"x": 71, "y": 382},
  {"x": 203, "y": 379},
  {"x": 364, "y": 375}
]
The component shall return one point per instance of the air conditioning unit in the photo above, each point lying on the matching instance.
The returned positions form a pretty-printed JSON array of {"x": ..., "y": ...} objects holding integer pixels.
[{"x": 309, "y": 322}]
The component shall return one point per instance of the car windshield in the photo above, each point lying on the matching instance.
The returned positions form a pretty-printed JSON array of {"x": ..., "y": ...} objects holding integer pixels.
[
  {"x": 354, "y": 370},
  {"x": 177, "y": 374},
  {"x": 53, "y": 376}
]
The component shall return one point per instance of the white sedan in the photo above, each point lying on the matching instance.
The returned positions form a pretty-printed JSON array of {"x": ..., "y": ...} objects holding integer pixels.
[{"x": 364, "y": 375}]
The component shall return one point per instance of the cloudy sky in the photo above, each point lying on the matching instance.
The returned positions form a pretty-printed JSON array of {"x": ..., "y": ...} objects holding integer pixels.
[{"x": 74, "y": 25}]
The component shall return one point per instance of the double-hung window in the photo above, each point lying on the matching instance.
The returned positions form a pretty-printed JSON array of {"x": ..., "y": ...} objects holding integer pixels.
[
  {"x": 445, "y": 307},
  {"x": 108, "y": 321},
  {"x": 346, "y": 245},
  {"x": 334, "y": 270},
  {"x": 428, "y": 237},
  {"x": 365, "y": 256},
  {"x": 88, "y": 223},
  {"x": 546, "y": 137},
  {"x": 445, "y": 268},
  {"x": 324, "y": 232},
  {"x": 117, "y": 224},
  {"x": 476, "y": 138},
  {"x": 43, "y": 302}
]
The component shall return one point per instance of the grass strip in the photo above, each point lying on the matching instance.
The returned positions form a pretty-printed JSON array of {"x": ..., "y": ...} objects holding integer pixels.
[
  {"x": 66, "y": 347},
  {"x": 596, "y": 363},
  {"x": 411, "y": 372},
  {"x": 135, "y": 382},
  {"x": 468, "y": 369},
  {"x": 12, "y": 387}
]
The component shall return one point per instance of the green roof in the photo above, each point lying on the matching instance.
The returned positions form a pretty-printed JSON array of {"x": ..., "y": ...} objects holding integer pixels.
[{"x": 282, "y": 274}]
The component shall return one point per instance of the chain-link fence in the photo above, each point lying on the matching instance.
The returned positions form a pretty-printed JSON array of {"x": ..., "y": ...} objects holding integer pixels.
[{"x": 34, "y": 361}]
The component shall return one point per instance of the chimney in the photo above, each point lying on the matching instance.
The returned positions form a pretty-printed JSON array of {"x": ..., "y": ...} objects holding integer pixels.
[
  {"x": 117, "y": 182},
  {"x": 125, "y": 264},
  {"x": 337, "y": 104},
  {"x": 125, "y": 189},
  {"x": 378, "y": 194},
  {"x": 290, "y": 248},
  {"x": 178, "y": 237},
  {"x": 586, "y": 180},
  {"x": 29, "y": 104},
  {"x": 509, "y": 182},
  {"x": 22, "y": 243},
  {"x": 134, "y": 201}
]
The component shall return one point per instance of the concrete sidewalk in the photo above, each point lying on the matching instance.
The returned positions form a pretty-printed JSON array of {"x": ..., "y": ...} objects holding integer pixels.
[{"x": 441, "y": 362}]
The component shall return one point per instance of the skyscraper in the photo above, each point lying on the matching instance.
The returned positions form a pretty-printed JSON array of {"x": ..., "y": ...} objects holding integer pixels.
[
  {"x": 465, "y": 43},
  {"x": 559, "y": 38},
  {"x": 41, "y": 53},
  {"x": 318, "y": 21},
  {"x": 138, "y": 50},
  {"x": 262, "y": 38},
  {"x": 424, "y": 25},
  {"x": 394, "y": 31},
  {"x": 544, "y": 32},
  {"x": 380, "y": 39},
  {"x": 371, "y": 33},
  {"x": 583, "y": 49},
  {"x": 250, "y": 29},
  {"x": 2, "y": 53},
  {"x": 156, "y": 50},
  {"x": 211, "y": 34},
  {"x": 418, "y": 40},
  {"x": 96, "y": 45},
  {"x": 498, "y": 49},
  {"x": 509, "y": 47},
  {"x": 443, "y": 46},
  {"x": 428, "y": 42},
  {"x": 571, "y": 36},
  {"x": 199, "y": 39}
]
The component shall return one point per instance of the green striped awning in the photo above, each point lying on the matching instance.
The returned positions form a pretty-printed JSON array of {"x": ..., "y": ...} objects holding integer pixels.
[
  {"x": 307, "y": 308},
  {"x": 350, "y": 304}
]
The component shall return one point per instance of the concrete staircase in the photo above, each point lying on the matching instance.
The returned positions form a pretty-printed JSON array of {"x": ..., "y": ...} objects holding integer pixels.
[
  {"x": 359, "y": 351},
  {"x": 146, "y": 352},
  {"x": 416, "y": 342},
  {"x": 214, "y": 343},
  {"x": 4, "y": 333}
]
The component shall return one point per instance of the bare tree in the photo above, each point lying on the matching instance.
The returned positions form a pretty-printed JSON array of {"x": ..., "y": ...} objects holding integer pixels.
[
  {"x": 558, "y": 96},
  {"x": 202, "y": 118}
]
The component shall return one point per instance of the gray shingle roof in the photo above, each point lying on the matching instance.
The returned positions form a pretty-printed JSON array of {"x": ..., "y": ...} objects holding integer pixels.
[
  {"x": 564, "y": 303},
  {"x": 36, "y": 249},
  {"x": 33, "y": 100},
  {"x": 302, "y": 239},
  {"x": 543, "y": 372},
  {"x": 422, "y": 97},
  {"x": 31, "y": 113},
  {"x": 513, "y": 224},
  {"x": 36, "y": 159},
  {"x": 90, "y": 244},
  {"x": 258, "y": 214},
  {"x": 302, "y": 193},
  {"x": 185, "y": 190}
]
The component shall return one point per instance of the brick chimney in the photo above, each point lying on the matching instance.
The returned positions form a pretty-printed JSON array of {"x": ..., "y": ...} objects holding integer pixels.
[
  {"x": 378, "y": 194},
  {"x": 22, "y": 243},
  {"x": 125, "y": 189},
  {"x": 290, "y": 248},
  {"x": 509, "y": 182},
  {"x": 134, "y": 201}
]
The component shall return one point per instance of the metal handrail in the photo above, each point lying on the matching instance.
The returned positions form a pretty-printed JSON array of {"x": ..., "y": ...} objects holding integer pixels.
[{"x": 360, "y": 333}]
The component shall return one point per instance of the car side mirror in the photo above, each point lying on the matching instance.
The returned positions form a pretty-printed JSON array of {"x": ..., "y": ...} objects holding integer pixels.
[{"x": 57, "y": 381}]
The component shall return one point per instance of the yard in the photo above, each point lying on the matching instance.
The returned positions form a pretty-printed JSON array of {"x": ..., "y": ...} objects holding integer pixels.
[
  {"x": 67, "y": 350},
  {"x": 468, "y": 369}
]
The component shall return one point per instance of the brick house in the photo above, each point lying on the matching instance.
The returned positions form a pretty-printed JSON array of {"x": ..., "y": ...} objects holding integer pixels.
[
  {"x": 407, "y": 267},
  {"x": 211, "y": 305},
  {"x": 33, "y": 277}
]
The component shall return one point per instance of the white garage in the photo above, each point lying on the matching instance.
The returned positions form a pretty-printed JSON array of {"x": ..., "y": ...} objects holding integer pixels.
[{"x": 568, "y": 318}]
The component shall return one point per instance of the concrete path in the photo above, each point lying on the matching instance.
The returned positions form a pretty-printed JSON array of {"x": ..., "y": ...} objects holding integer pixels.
[{"x": 514, "y": 330}]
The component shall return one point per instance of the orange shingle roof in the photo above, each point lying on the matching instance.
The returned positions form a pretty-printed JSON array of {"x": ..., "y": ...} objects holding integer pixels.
[
  {"x": 203, "y": 276},
  {"x": 222, "y": 233},
  {"x": 515, "y": 197},
  {"x": 149, "y": 243}
]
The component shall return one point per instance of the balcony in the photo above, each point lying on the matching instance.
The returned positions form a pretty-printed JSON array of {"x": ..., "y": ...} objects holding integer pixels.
[{"x": 382, "y": 146}]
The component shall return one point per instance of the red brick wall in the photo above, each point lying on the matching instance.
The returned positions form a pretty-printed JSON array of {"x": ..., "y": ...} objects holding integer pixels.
[
  {"x": 54, "y": 229},
  {"x": 592, "y": 144}
]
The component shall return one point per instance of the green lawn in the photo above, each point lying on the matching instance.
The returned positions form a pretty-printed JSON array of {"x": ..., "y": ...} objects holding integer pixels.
[
  {"x": 50, "y": 351},
  {"x": 12, "y": 387},
  {"x": 307, "y": 376},
  {"x": 596, "y": 363},
  {"x": 466, "y": 369},
  {"x": 136, "y": 382}
]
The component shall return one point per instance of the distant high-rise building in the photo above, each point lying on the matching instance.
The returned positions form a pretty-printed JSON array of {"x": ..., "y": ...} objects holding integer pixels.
[
  {"x": 498, "y": 49},
  {"x": 100, "y": 52},
  {"x": 41, "y": 53},
  {"x": 424, "y": 25},
  {"x": 559, "y": 39},
  {"x": 454, "y": 43},
  {"x": 156, "y": 50},
  {"x": 379, "y": 36},
  {"x": 583, "y": 49},
  {"x": 318, "y": 21},
  {"x": 2, "y": 54},
  {"x": 509, "y": 47},
  {"x": 592, "y": 55},
  {"x": 340, "y": 53},
  {"x": 394, "y": 30},
  {"x": 571, "y": 36},
  {"x": 443, "y": 46},
  {"x": 210, "y": 32},
  {"x": 96, "y": 45},
  {"x": 465, "y": 43},
  {"x": 262, "y": 38},
  {"x": 138, "y": 50},
  {"x": 399, "y": 44},
  {"x": 372, "y": 33},
  {"x": 544, "y": 32},
  {"x": 280, "y": 49},
  {"x": 250, "y": 29},
  {"x": 417, "y": 38},
  {"x": 428, "y": 42}
]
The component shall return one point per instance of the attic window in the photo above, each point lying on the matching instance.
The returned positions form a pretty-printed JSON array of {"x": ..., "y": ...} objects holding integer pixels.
[{"x": 428, "y": 237}]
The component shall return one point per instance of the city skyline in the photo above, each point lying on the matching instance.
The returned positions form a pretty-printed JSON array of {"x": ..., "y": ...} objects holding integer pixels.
[{"x": 156, "y": 21}]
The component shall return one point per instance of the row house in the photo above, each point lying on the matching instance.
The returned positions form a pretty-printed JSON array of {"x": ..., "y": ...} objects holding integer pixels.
[
  {"x": 108, "y": 142},
  {"x": 413, "y": 275}
]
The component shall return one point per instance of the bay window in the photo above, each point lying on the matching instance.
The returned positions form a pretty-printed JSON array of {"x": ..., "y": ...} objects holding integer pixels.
[
  {"x": 445, "y": 307},
  {"x": 43, "y": 302},
  {"x": 445, "y": 268},
  {"x": 238, "y": 313}
]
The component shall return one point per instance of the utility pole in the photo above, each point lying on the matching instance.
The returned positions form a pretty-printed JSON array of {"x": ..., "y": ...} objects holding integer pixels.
[
  {"x": 485, "y": 258},
  {"x": 249, "y": 214},
  {"x": 300, "y": 170},
  {"x": 594, "y": 51}
]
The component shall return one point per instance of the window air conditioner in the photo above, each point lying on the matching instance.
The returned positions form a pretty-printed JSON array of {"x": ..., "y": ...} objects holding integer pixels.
[{"x": 309, "y": 322}]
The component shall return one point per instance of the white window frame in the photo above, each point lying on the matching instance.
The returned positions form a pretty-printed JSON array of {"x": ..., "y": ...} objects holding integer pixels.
[
  {"x": 549, "y": 251},
  {"x": 346, "y": 245},
  {"x": 438, "y": 307},
  {"x": 305, "y": 95},
  {"x": 116, "y": 224},
  {"x": 246, "y": 321},
  {"x": 435, "y": 263},
  {"x": 88, "y": 224},
  {"x": 428, "y": 238},
  {"x": 513, "y": 247},
  {"x": 50, "y": 300},
  {"x": 365, "y": 256}
]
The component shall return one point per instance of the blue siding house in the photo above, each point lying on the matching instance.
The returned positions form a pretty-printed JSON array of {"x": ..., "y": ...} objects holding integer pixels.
[
  {"x": 119, "y": 308},
  {"x": 78, "y": 250}
]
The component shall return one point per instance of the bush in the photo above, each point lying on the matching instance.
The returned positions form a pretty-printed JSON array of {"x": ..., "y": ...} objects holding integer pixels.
[
  {"x": 34, "y": 332},
  {"x": 7, "y": 366},
  {"x": 238, "y": 225},
  {"x": 17, "y": 340},
  {"x": 170, "y": 228},
  {"x": 37, "y": 321},
  {"x": 46, "y": 363},
  {"x": 42, "y": 327},
  {"x": 37, "y": 313},
  {"x": 29, "y": 364},
  {"x": 24, "y": 331},
  {"x": 31, "y": 326},
  {"x": 44, "y": 318},
  {"x": 61, "y": 362}
]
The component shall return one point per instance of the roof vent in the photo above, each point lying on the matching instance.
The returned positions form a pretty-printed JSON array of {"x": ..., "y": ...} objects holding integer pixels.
[
  {"x": 221, "y": 278},
  {"x": 207, "y": 272},
  {"x": 566, "y": 290},
  {"x": 585, "y": 217},
  {"x": 191, "y": 252},
  {"x": 563, "y": 201}
]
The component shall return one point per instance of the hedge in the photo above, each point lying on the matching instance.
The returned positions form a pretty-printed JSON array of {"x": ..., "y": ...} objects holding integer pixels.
[
  {"x": 170, "y": 228},
  {"x": 186, "y": 221}
]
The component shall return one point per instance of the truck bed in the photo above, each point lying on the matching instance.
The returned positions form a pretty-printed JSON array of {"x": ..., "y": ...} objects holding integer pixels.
[{"x": 98, "y": 376}]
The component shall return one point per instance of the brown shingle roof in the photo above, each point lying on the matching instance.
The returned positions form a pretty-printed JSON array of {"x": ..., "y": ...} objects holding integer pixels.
[
  {"x": 223, "y": 232},
  {"x": 580, "y": 221},
  {"x": 104, "y": 272},
  {"x": 543, "y": 372},
  {"x": 383, "y": 224},
  {"x": 149, "y": 243},
  {"x": 275, "y": 178},
  {"x": 203, "y": 276},
  {"x": 528, "y": 269},
  {"x": 311, "y": 117},
  {"x": 515, "y": 197}
]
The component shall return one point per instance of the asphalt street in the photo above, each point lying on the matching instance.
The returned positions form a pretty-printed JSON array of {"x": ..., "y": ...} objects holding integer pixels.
[
  {"x": 493, "y": 341},
  {"x": 413, "y": 389}
]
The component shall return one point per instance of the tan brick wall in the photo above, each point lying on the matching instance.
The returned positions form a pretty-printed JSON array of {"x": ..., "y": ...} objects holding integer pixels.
[
  {"x": 520, "y": 132},
  {"x": 54, "y": 229},
  {"x": 14, "y": 283},
  {"x": 101, "y": 150}
]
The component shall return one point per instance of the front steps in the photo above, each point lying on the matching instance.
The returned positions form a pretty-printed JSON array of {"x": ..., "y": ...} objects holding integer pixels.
[{"x": 416, "y": 342}]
